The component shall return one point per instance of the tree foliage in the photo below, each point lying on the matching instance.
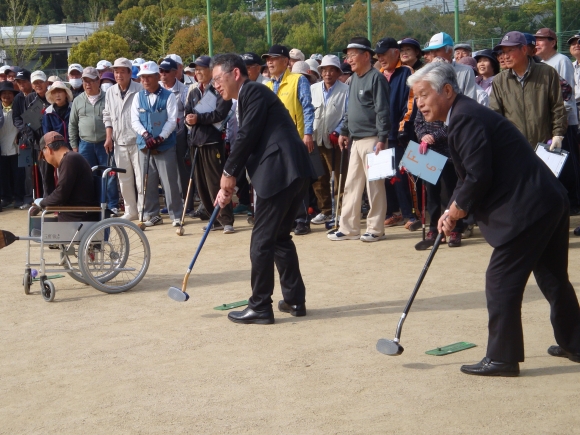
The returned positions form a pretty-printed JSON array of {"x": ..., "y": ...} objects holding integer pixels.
[
  {"x": 192, "y": 41},
  {"x": 100, "y": 45}
]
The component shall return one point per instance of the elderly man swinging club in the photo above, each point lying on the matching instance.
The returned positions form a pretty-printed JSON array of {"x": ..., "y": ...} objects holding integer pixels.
[{"x": 523, "y": 214}]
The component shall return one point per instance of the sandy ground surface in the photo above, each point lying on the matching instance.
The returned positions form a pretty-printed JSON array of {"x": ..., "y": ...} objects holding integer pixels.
[{"x": 140, "y": 363}]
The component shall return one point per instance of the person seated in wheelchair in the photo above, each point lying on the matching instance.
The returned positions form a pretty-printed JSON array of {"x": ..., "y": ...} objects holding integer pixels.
[{"x": 75, "y": 187}]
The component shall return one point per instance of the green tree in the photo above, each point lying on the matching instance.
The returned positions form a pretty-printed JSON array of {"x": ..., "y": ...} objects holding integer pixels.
[
  {"x": 128, "y": 26},
  {"x": 245, "y": 30},
  {"x": 484, "y": 19},
  {"x": 100, "y": 45},
  {"x": 193, "y": 41}
]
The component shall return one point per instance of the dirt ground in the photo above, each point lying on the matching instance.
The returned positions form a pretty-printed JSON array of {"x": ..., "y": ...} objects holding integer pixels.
[{"x": 141, "y": 363}]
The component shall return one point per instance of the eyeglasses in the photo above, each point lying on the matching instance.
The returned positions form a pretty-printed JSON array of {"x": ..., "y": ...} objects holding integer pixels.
[{"x": 218, "y": 79}]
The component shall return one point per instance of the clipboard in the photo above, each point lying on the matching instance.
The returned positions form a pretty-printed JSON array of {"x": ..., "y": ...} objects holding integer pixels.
[
  {"x": 381, "y": 166},
  {"x": 555, "y": 160},
  {"x": 25, "y": 157},
  {"x": 208, "y": 103},
  {"x": 426, "y": 166},
  {"x": 33, "y": 115}
]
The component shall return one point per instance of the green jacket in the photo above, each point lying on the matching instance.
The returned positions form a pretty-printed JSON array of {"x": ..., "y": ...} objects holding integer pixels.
[
  {"x": 537, "y": 108},
  {"x": 86, "y": 121}
]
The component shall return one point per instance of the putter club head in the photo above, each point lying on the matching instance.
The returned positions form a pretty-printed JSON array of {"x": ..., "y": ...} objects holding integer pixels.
[
  {"x": 6, "y": 238},
  {"x": 423, "y": 245},
  {"x": 389, "y": 347},
  {"x": 177, "y": 295}
]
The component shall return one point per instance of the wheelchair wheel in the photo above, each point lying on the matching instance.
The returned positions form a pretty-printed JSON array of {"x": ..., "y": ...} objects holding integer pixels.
[
  {"x": 70, "y": 261},
  {"x": 114, "y": 255},
  {"x": 47, "y": 290},
  {"x": 26, "y": 281}
]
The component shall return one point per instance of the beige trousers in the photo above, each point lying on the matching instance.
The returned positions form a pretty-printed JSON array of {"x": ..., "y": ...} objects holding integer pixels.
[
  {"x": 127, "y": 157},
  {"x": 353, "y": 191}
]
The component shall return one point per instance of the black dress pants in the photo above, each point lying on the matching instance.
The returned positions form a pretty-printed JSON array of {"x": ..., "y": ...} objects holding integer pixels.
[
  {"x": 272, "y": 244},
  {"x": 435, "y": 201},
  {"x": 542, "y": 249}
]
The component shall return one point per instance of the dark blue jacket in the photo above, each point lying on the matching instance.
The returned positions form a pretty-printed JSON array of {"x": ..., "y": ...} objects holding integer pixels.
[
  {"x": 399, "y": 101},
  {"x": 52, "y": 122}
]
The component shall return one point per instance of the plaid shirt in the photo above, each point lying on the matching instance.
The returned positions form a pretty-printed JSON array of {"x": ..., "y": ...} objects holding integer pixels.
[{"x": 437, "y": 129}]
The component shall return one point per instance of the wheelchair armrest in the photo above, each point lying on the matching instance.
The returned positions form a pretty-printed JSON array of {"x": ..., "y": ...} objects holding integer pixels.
[
  {"x": 112, "y": 168},
  {"x": 71, "y": 208}
]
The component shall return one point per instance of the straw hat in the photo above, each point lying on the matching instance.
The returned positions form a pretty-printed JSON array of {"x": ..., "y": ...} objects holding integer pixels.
[{"x": 55, "y": 86}]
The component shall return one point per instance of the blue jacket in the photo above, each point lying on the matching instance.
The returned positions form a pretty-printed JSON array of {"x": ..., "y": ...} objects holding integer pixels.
[
  {"x": 52, "y": 122},
  {"x": 399, "y": 101}
]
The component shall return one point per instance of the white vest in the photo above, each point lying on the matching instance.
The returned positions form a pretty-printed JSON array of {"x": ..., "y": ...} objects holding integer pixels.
[{"x": 327, "y": 117}]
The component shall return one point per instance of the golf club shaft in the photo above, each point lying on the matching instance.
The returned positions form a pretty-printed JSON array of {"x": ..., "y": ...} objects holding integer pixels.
[
  {"x": 416, "y": 289},
  {"x": 332, "y": 182},
  {"x": 189, "y": 185},
  {"x": 144, "y": 189},
  {"x": 207, "y": 230},
  {"x": 423, "y": 207},
  {"x": 338, "y": 201}
]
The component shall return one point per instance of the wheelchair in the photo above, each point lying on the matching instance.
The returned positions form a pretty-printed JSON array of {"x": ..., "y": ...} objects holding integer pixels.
[{"x": 112, "y": 255}]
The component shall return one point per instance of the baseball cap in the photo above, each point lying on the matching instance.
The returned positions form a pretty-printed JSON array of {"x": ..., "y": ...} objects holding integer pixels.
[
  {"x": 316, "y": 56},
  {"x": 545, "y": 32},
  {"x": 4, "y": 69},
  {"x": 530, "y": 39},
  {"x": 383, "y": 45},
  {"x": 37, "y": 75},
  {"x": 296, "y": 54},
  {"x": 75, "y": 67},
  {"x": 50, "y": 138},
  {"x": 135, "y": 71},
  {"x": 277, "y": 51},
  {"x": 53, "y": 79},
  {"x": 122, "y": 62},
  {"x": 23, "y": 74},
  {"x": 439, "y": 40},
  {"x": 138, "y": 61},
  {"x": 103, "y": 64},
  {"x": 90, "y": 73},
  {"x": 301, "y": 67},
  {"x": 463, "y": 46},
  {"x": 175, "y": 58},
  {"x": 202, "y": 61},
  {"x": 511, "y": 39},
  {"x": 251, "y": 59},
  {"x": 410, "y": 41},
  {"x": 148, "y": 68},
  {"x": 573, "y": 38},
  {"x": 361, "y": 43},
  {"x": 168, "y": 64},
  {"x": 329, "y": 60},
  {"x": 108, "y": 76},
  {"x": 346, "y": 68}
]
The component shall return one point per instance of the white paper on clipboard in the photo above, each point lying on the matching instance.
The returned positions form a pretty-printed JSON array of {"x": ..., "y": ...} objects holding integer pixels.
[
  {"x": 381, "y": 166},
  {"x": 208, "y": 104},
  {"x": 553, "y": 159}
]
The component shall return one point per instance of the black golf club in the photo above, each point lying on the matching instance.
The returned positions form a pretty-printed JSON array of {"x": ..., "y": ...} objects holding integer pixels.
[
  {"x": 141, "y": 224},
  {"x": 393, "y": 347},
  {"x": 179, "y": 294},
  {"x": 180, "y": 231},
  {"x": 328, "y": 225}
]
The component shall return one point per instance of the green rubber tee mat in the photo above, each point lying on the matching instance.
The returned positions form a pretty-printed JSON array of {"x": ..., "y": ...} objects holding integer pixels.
[
  {"x": 451, "y": 348},
  {"x": 225, "y": 307}
]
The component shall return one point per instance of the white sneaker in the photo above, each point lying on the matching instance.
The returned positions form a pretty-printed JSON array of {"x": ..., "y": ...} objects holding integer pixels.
[
  {"x": 216, "y": 226},
  {"x": 368, "y": 237},
  {"x": 129, "y": 217},
  {"x": 229, "y": 229},
  {"x": 321, "y": 218},
  {"x": 340, "y": 236},
  {"x": 155, "y": 220},
  {"x": 177, "y": 222},
  {"x": 115, "y": 211}
]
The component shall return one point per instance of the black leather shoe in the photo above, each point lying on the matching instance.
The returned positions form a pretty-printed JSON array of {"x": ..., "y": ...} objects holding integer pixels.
[
  {"x": 295, "y": 310},
  {"x": 250, "y": 316},
  {"x": 487, "y": 367},
  {"x": 301, "y": 229},
  {"x": 558, "y": 351}
]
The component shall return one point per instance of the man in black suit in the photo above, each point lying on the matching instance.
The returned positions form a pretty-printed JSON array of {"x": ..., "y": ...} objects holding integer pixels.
[
  {"x": 269, "y": 146},
  {"x": 522, "y": 211}
]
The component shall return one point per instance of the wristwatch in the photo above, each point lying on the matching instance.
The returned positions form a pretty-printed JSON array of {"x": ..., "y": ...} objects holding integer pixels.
[
  {"x": 226, "y": 174},
  {"x": 457, "y": 206}
]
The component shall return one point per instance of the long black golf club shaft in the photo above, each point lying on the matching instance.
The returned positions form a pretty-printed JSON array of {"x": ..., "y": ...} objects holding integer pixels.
[
  {"x": 417, "y": 286},
  {"x": 338, "y": 201},
  {"x": 333, "y": 182},
  {"x": 144, "y": 189},
  {"x": 212, "y": 219},
  {"x": 191, "y": 173},
  {"x": 423, "y": 207}
]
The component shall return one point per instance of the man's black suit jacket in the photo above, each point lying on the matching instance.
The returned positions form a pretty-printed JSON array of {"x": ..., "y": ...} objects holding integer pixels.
[
  {"x": 501, "y": 180},
  {"x": 267, "y": 143}
]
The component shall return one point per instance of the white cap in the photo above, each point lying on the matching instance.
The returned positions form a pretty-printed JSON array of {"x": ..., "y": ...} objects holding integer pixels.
[
  {"x": 313, "y": 64},
  {"x": 138, "y": 61},
  {"x": 302, "y": 67},
  {"x": 296, "y": 54},
  {"x": 176, "y": 58},
  {"x": 4, "y": 68},
  {"x": 104, "y": 64},
  {"x": 148, "y": 68},
  {"x": 329, "y": 60},
  {"x": 75, "y": 67},
  {"x": 37, "y": 75}
]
